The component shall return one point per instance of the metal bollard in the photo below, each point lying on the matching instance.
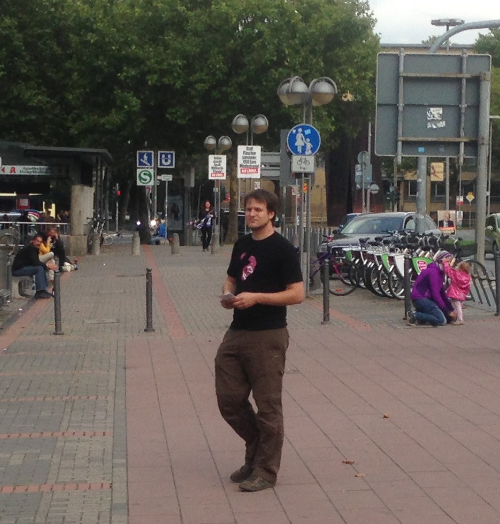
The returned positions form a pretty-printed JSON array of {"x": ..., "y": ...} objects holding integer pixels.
[
  {"x": 315, "y": 281},
  {"x": 57, "y": 303},
  {"x": 215, "y": 242},
  {"x": 497, "y": 285},
  {"x": 325, "y": 273},
  {"x": 175, "y": 244},
  {"x": 149, "y": 301},
  {"x": 136, "y": 243},
  {"x": 96, "y": 243},
  {"x": 407, "y": 286}
]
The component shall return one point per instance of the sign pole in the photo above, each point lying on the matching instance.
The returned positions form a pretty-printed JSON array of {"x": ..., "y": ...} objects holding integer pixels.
[{"x": 166, "y": 205}]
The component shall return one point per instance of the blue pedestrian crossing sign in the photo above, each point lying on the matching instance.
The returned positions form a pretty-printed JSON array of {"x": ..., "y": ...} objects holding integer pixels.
[
  {"x": 145, "y": 159},
  {"x": 303, "y": 140},
  {"x": 166, "y": 159}
]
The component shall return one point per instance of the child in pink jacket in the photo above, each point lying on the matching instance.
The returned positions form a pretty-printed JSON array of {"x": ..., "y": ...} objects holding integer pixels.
[{"x": 459, "y": 286}]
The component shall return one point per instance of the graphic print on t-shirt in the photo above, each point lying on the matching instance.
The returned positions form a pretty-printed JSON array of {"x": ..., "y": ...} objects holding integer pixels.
[{"x": 249, "y": 268}]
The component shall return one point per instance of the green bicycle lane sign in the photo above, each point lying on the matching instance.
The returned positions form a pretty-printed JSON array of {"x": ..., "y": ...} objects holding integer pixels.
[{"x": 145, "y": 177}]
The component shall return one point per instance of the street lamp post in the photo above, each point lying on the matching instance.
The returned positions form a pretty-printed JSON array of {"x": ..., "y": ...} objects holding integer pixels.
[
  {"x": 258, "y": 124},
  {"x": 294, "y": 91},
  {"x": 218, "y": 147},
  {"x": 447, "y": 22},
  {"x": 492, "y": 117}
]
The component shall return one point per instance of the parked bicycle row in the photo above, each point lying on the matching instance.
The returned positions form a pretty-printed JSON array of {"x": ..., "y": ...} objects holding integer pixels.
[{"x": 378, "y": 265}]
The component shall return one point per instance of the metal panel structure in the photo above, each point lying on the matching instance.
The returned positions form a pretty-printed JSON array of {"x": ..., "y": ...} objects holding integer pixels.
[{"x": 428, "y": 104}]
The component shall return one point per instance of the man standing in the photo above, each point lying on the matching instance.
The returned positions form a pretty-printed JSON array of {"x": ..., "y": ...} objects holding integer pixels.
[
  {"x": 262, "y": 279},
  {"x": 27, "y": 263}
]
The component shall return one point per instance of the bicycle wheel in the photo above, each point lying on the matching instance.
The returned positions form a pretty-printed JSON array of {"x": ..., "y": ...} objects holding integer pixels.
[
  {"x": 90, "y": 242},
  {"x": 9, "y": 242},
  {"x": 383, "y": 282},
  {"x": 107, "y": 240},
  {"x": 340, "y": 278},
  {"x": 396, "y": 286}
]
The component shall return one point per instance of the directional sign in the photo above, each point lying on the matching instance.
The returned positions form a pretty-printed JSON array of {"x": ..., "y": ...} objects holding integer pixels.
[
  {"x": 145, "y": 159},
  {"x": 166, "y": 159},
  {"x": 145, "y": 177},
  {"x": 303, "y": 140}
]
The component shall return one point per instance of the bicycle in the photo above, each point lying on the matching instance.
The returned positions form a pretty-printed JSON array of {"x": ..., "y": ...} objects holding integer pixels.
[{"x": 340, "y": 272}]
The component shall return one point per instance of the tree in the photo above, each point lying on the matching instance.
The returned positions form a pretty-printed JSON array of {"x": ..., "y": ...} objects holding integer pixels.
[{"x": 119, "y": 74}]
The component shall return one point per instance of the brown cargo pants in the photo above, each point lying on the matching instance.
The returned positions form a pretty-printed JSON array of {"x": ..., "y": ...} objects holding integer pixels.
[{"x": 254, "y": 361}]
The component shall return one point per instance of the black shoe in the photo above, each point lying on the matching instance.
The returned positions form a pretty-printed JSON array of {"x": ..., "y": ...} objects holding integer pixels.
[
  {"x": 241, "y": 474},
  {"x": 412, "y": 319},
  {"x": 43, "y": 294}
]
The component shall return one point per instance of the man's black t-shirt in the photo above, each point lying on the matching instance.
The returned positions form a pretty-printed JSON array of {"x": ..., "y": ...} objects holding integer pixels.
[{"x": 263, "y": 266}]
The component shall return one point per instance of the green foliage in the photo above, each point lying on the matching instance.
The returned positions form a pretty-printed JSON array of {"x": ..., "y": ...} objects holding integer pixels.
[{"x": 117, "y": 74}]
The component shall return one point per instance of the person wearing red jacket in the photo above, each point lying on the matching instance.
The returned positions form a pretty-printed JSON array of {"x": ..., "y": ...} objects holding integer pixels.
[{"x": 459, "y": 287}]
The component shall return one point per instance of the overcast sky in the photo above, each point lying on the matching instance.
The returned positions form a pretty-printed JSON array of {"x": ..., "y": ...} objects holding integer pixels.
[{"x": 409, "y": 22}]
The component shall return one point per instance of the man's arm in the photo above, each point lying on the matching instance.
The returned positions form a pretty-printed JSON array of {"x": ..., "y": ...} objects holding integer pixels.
[
  {"x": 293, "y": 294},
  {"x": 229, "y": 287}
]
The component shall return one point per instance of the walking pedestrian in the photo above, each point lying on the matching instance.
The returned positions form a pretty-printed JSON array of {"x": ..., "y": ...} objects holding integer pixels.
[
  {"x": 263, "y": 278},
  {"x": 205, "y": 219}
]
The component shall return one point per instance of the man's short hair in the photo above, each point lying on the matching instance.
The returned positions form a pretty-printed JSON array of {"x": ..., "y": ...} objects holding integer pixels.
[{"x": 262, "y": 195}]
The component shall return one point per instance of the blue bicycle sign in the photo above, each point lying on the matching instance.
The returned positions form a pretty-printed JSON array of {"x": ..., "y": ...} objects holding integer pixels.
[{"x": 303, "y": 140}]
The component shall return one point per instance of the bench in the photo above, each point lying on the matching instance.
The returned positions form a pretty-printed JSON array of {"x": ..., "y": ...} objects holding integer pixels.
[{"x": 22, "y": 284}]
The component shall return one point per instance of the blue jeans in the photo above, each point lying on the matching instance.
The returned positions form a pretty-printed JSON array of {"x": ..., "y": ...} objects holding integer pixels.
[
  {"x": 428, "y": 312},
  {"x": 39, "y": 273}
]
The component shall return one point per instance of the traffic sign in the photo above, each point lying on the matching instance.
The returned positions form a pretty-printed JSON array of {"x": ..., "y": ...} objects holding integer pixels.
[
  {"x": 145, "y": 177},
  {"x": 374, "y": 189},
  {"x": 166, "y": 159},
  {"x": 217, "y": 167},
  {"x": 166, "y": 178},
  {"x": 303, "y": 164},
  {"x": 363, "y": 157},
  {"x": 470, "y": 196},
  {"x": 145, "y": 159},
  {"x": 303, "y": 140}
]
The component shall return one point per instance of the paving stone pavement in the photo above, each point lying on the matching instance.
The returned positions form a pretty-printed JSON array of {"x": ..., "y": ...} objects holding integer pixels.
[{"x": 107, "y": 423}]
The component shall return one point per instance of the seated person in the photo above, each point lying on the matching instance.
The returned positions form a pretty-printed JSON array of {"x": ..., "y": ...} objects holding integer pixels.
[
  {"x": 45, "y": 252},
  {"x": 428, "y": 295},
  {"x": 58, "y": 248},
  {"x": 27, "y": 263},
  {"x": 161, "y": 234}
]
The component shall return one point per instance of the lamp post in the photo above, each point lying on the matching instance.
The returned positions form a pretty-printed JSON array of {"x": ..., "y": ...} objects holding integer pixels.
[
  {"x": 218, "y": 147},
  {"x": 294, "y": 91},
  {"x": 447, "y": 22},
  {"x": 257, "y": 125},
  {"x": 492, "y": 117}
]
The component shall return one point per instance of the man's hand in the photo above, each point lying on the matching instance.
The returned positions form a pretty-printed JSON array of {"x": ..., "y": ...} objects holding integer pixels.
[
  {"x": 453, "y": 315},
  {"x": 227, "y": 301},
  {"x": 52, "y": 266},
  {"x": 245, "y": 300}
]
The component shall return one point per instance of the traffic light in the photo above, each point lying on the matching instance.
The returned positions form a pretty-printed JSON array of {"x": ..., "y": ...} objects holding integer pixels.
[{"x": 118, "y": 193}]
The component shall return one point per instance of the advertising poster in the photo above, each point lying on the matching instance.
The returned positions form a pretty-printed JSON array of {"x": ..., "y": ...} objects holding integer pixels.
[
  {"x": 447, "y": 221},
  {"x": 175, "y": 213}
]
